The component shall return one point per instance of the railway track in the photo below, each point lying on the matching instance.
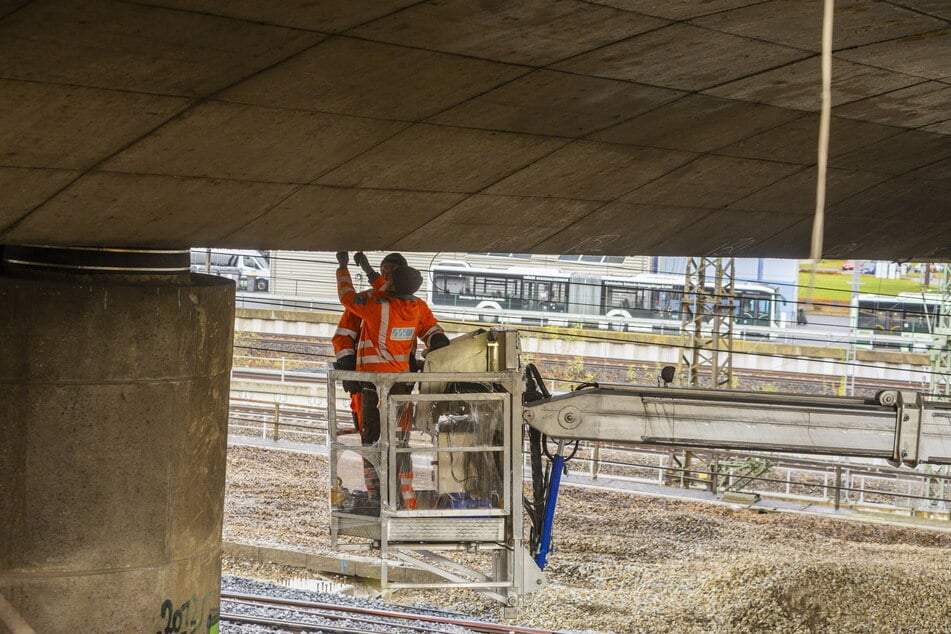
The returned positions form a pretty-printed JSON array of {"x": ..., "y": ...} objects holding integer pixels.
[
  {"x": 617, "y": 367},
  {"x": 292, "y": 615}
]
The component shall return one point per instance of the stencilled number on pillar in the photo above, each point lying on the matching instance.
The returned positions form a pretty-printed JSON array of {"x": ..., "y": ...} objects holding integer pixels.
[
  {"x": 186, "y": 619},
  {"x": 594, "y": 244}
]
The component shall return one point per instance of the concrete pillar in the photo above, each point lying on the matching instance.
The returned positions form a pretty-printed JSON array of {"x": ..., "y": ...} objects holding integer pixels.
[{"x": 113, "y": 413}]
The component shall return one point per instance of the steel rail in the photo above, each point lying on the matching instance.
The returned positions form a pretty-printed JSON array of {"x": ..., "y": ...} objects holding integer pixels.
[
  {"x": 471, "y": 624},
  {"x": 329, "y": 614},
  {"x": 289, "y": 625}
]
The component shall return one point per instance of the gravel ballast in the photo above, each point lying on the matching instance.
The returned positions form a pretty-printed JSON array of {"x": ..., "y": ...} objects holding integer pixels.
[{"x": 630, "y": 563}]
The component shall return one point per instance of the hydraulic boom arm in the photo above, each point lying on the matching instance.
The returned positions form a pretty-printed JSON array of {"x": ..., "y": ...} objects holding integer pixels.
[{"x": 900, "y": 427}]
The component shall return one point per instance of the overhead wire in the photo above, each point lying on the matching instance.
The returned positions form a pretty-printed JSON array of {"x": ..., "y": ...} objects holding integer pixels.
[
  {"x": 584, "y": 336},
  {"x": 897, "y": 311},
  {"x": 800, "y": 338},
  {"x": 303, "y": 303},
  {"x": 430, "y": 270}
]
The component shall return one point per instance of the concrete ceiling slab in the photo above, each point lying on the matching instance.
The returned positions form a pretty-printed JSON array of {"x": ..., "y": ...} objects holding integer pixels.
[
  {"x": 609, "y": 127},
  {"x": 604, "y": 229},
  {"x": 290, "y": 146},
  {"x": 591, "y": 171},
  {"x": 897, "y": 154},
  {"x": 843, "y": 237},
  {"x": 802, "y": 27},
  {"x": 794, "y": 194},
  {"x": 530, "y": 32},
  {"x": 911, "y": 200},
  {"x": 916, "y": 106},
  {"x": 174, "y": 206},
  {"x": 794, "y": 86},
  {"x": 496, "y": 223},
  {"x": 729, "y": 233},
  {"x": 439, "y": 158},
  {"x": 934, "y": 244},
  {"x": 937, "y": 8},
  {"x": 677, "y": 9},
  {"x": 939, "y": 171},
  {"x": 328, "y": 16},
  {"x": 557, "y": 104},
  {"x": 711, "y": 182},
  {"x": 795, "y": 142},
  {"x": 65, "y": 127},
  {"x": 369, "y": 79},
  {"x": 924, "y": 55},
  {"x": 24, "y": 189},
  {"x": 697, "y": 123},
  {"x": 318, "y": 218},
  {"x": 939, "y": 128},
  {"x": 683, "y": 57},
  {"x": 125, "y": 46}
]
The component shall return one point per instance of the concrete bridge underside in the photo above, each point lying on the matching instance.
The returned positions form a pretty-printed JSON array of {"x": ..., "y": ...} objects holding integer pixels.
[
  {"x": 618, "y": 126},
  {"x": 149, "y": 126}
]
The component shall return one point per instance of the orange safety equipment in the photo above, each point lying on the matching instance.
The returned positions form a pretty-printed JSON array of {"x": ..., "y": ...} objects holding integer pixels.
[
  {"x": 391, "y": 325},
  {"x": 344, "y": 343},
  {"x": 356, "y": 408},
  {"x": 345, "y": 337},
  {"x": 406, "y": 490}
]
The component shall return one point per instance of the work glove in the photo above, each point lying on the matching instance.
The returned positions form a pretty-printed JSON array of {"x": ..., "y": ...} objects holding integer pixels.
[
  {"x": 348, "y": 362},
  {"x": 437, "y": 341},
  {"x": 360, "y": 259},
  {"x": 342, "y": 258}
]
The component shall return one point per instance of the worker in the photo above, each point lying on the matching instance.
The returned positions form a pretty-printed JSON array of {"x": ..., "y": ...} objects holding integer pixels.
[
  {"x": 393, "y": 319},
  {"x": 347, "y": 334}
]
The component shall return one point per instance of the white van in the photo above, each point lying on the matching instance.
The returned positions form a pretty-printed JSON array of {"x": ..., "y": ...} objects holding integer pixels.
[{"x": 250, "y": 269}]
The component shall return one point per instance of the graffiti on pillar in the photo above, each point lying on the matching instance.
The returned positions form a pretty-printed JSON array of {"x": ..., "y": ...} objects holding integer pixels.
[{"x": 190, "y": 617}]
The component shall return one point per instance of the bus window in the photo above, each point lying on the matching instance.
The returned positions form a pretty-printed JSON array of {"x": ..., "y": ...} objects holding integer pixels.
[
  {"x": 879, "y": 316},
  {"x": 754, "y": 310},
  {"x": 454, "y": 285},
  {"x": 559, "y": 297},
  {"x": 915, "y": 319},
  {"x": 494, "y": 287}
]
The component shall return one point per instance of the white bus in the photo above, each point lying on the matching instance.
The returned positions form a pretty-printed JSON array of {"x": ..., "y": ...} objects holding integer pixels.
[
  {"x": 906, "y": 320},
  {"x": 643, "y": 302}
]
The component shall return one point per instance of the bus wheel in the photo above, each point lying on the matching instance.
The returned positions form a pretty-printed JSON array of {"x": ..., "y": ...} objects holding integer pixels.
[
  {"x": 489, "y": 318},
  {"x": 617, "y": 326},
  {"x": 260, "y": 284}
]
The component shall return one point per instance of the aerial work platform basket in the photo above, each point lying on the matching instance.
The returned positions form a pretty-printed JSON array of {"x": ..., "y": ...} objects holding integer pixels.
[{"x": 441, "y": 490}]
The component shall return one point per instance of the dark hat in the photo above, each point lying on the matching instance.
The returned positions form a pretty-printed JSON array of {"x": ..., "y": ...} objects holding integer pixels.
[
  {"x": 395, "y": 258},
  {"x": 406, "y": 281}
]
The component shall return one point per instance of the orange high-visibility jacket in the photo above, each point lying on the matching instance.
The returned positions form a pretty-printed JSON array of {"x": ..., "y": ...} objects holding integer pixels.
[
  {"x": 344, "y": 340},
  {"x": 391, "y": 324}
]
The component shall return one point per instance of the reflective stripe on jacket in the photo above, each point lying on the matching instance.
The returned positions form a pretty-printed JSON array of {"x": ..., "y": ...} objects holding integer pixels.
[
  {"x": 345, "y": 337},
  {"x": 391, "y": 325}
]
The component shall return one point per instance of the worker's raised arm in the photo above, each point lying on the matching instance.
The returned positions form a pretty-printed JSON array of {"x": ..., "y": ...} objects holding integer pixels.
[
  {"x": 345, "y": 290},
  {"x": 349, "y": 297},
  {"x": 376, "y": 280}
]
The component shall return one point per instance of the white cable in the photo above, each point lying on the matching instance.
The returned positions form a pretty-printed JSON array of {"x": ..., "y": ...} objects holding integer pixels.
[
  {"x": 818, "y": 225},
  {"x": 824, "y": 123}
]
